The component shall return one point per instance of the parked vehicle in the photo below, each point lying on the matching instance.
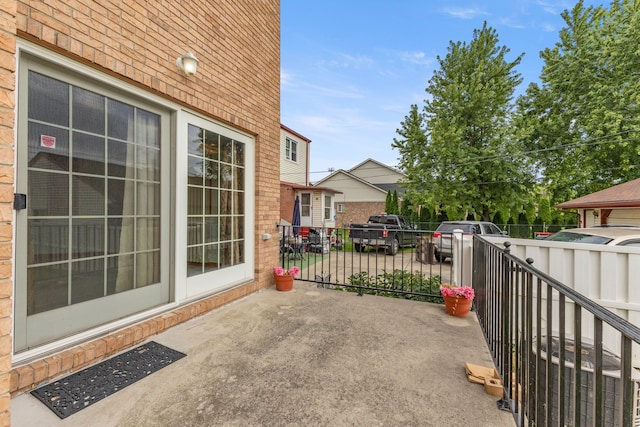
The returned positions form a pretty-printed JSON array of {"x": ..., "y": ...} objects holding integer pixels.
[
  {"x": 611, "y": 236},
  {"x": 443, "y": 236},
  {"x": 390, "y": 232}
]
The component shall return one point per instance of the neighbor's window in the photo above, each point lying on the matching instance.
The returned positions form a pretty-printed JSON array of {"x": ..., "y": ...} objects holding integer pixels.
[
  {"x": 305, "y": 204},
  {"x": 327, "y": 207},
  {"x": 291, "y": 150},
  {"x": 341, "y": 207}
]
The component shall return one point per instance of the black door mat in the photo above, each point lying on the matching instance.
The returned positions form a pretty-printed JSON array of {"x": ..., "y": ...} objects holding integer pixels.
[{"x": 84, "y": 388}]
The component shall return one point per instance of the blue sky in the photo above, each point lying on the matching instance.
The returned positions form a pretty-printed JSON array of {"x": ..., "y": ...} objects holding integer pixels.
[{"x": 350, "y": 69}]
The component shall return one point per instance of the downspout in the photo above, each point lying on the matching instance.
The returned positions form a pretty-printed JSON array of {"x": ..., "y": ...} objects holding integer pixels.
[{"x": 306, "y": 174}]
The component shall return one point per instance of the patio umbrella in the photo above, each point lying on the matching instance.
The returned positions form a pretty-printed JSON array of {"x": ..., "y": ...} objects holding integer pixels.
[{"x": 295, "y": 221}]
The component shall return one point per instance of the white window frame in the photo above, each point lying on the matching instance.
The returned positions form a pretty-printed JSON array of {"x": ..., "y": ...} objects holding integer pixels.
[
  {"x": 327, "y": 213},
  {"x": 291, "y": 149},
  {"x": 198, "y": 286},
  {"x": 341, "y": 208}
]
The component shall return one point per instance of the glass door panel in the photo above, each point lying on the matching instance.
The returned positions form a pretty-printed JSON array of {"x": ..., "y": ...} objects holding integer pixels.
[{"x": 93, "y": 217}]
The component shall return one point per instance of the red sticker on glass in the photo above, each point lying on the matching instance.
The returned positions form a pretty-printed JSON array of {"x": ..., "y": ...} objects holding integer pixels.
[{"x": 47, "y": 141}]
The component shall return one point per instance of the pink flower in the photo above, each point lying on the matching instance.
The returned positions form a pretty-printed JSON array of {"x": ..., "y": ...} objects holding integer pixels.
[
  {"x": 457, "y": 291},
  {"x": 294, "y": 270},
  {"x": 279, "y": 271}
]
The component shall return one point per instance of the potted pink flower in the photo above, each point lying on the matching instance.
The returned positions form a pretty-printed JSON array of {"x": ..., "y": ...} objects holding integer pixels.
[
  {"x": 284, "y": 278},
  {"x": 457, "y": 299}
]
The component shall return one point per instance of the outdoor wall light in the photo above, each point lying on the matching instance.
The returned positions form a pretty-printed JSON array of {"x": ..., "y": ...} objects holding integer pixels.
[{"x": 188, "y": 63}]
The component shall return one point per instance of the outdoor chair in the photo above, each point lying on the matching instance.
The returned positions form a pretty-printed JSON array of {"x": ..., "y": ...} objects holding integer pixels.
[{"x": 297, "y": 251}]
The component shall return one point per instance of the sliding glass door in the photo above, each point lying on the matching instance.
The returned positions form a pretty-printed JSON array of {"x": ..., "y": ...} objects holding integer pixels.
[{"x": 92, "y": 243}]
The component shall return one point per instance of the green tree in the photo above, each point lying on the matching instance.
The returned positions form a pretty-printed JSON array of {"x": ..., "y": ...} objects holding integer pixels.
[
  {"x": 460, "y": 153},
  {"x": 582, "y": 124},
  {"x": 544, "y": 210},
  {"x": 387, "y": 203},
  {"x": 394, "y": 202},
  {"x": 412, "y": 137}
]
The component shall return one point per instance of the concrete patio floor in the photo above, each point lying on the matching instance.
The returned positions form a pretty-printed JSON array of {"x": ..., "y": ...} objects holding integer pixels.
[{"x": 309, "y": 357}]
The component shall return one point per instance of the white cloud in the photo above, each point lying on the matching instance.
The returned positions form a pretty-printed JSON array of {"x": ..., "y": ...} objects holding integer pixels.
[
  {"x": 345, "y": 60},
  {"x": 548, "y": 28},
  {"x": 464, "y": 13},
  {"x": 419, "y": 58},
  {"x": 285, "y": 78},
  {"x": 553, "y": 7},
  {"x": 512, "y": 23},
  {"x": 315, "y": 123}
]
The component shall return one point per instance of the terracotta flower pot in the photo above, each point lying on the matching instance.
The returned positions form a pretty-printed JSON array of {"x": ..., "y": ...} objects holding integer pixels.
[
  {"x": 457, "y": 306},
  {"x": 284, "y": 283}
]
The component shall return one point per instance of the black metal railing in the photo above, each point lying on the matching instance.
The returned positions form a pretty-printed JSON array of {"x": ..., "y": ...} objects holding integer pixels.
[
  {"x": 563, "y": 359},
  {"x": 329, "y": 258}
]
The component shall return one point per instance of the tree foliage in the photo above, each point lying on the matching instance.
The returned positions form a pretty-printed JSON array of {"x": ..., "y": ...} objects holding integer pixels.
[
  {"x": 459, "y": 155},
  {"x": 581, "y": 125}
]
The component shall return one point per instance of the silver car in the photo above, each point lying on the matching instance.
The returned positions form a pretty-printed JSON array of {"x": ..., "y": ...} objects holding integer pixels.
[
  {"x": 611, "y": 236},
  {"x": 443, "y": 236}
]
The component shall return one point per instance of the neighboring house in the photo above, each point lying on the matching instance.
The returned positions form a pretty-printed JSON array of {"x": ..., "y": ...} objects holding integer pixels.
[
  {"x": 316, "y": 203},
  {"x": 363, "y": 190},
  {"x": 617, "y": 205},
  {"x": 140, "y": 186}
]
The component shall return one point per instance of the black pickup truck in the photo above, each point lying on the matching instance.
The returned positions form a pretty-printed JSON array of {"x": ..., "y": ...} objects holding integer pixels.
[{"x": 382, "y": 231}]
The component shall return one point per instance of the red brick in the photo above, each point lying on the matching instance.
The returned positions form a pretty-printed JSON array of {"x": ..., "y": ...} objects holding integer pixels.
[
  {"x": 128, "y": 337},
  {"x": 6, "y": 288},
  {"x": 5, "y": 418},
  {"x": 5, "y": 403},
  {"x": 66, "y": 361},
  {"x": 79, "y": 357},
  {"x": 111, "y": 345},
  {"x": 146, "y": 330},
  {"x": 119, "y": 341},
  {"x": 53, "y": 365},
  {"x": 6, "y": 381},
  {"x": 5, "y": 363},
  {"x": 25, "y": 376},
  {"x": 14, "y": 380},
  {"x": 137, "y": 334},
  {"x": 40, "y": 371},
  {"x": 89, "y": 352},
  {"x": 101, "y": 348}
]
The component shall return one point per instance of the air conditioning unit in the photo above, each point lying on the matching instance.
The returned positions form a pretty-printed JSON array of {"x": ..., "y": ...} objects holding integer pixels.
[{"x": 611, "y": 385}]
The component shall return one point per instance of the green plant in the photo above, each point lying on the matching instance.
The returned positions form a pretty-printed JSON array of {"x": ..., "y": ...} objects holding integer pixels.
[{"x": 397, "y": 284}]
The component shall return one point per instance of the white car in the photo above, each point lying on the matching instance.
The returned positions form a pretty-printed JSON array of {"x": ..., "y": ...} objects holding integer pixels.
[
  {"x": 443, "y": 236},
  {"x": 612, "y": 236}
]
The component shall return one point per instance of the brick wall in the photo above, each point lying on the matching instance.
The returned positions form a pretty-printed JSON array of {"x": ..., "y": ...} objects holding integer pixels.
[
  {"x": 238, "y": 79},
  {"x": 358, "y": 212},
  {"x": 7, "y": 123},
  {"x": 238, "y": 83}
]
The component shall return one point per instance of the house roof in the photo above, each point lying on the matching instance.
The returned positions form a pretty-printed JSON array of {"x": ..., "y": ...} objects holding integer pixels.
[
  {"x": 309, "y": 187},
  {"x": 626, "y": 195},
  {"x": 293, "y": 132},
  {"x": 351, "y": 176},
  {"x": 350, "y": 173},
  {"x": 377, "y": 163}
]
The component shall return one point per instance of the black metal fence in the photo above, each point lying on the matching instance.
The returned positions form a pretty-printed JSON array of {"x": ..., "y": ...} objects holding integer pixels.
[
  {"x": 563, "y": 359},
  {"x": 329, "y": 258}
]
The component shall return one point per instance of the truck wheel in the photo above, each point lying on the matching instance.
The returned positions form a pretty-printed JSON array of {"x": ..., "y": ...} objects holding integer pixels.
[
  {"x": 393, "y": 248},
  {"x": 439, "y": 257},
  {"x": 358, "y": 247}
]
